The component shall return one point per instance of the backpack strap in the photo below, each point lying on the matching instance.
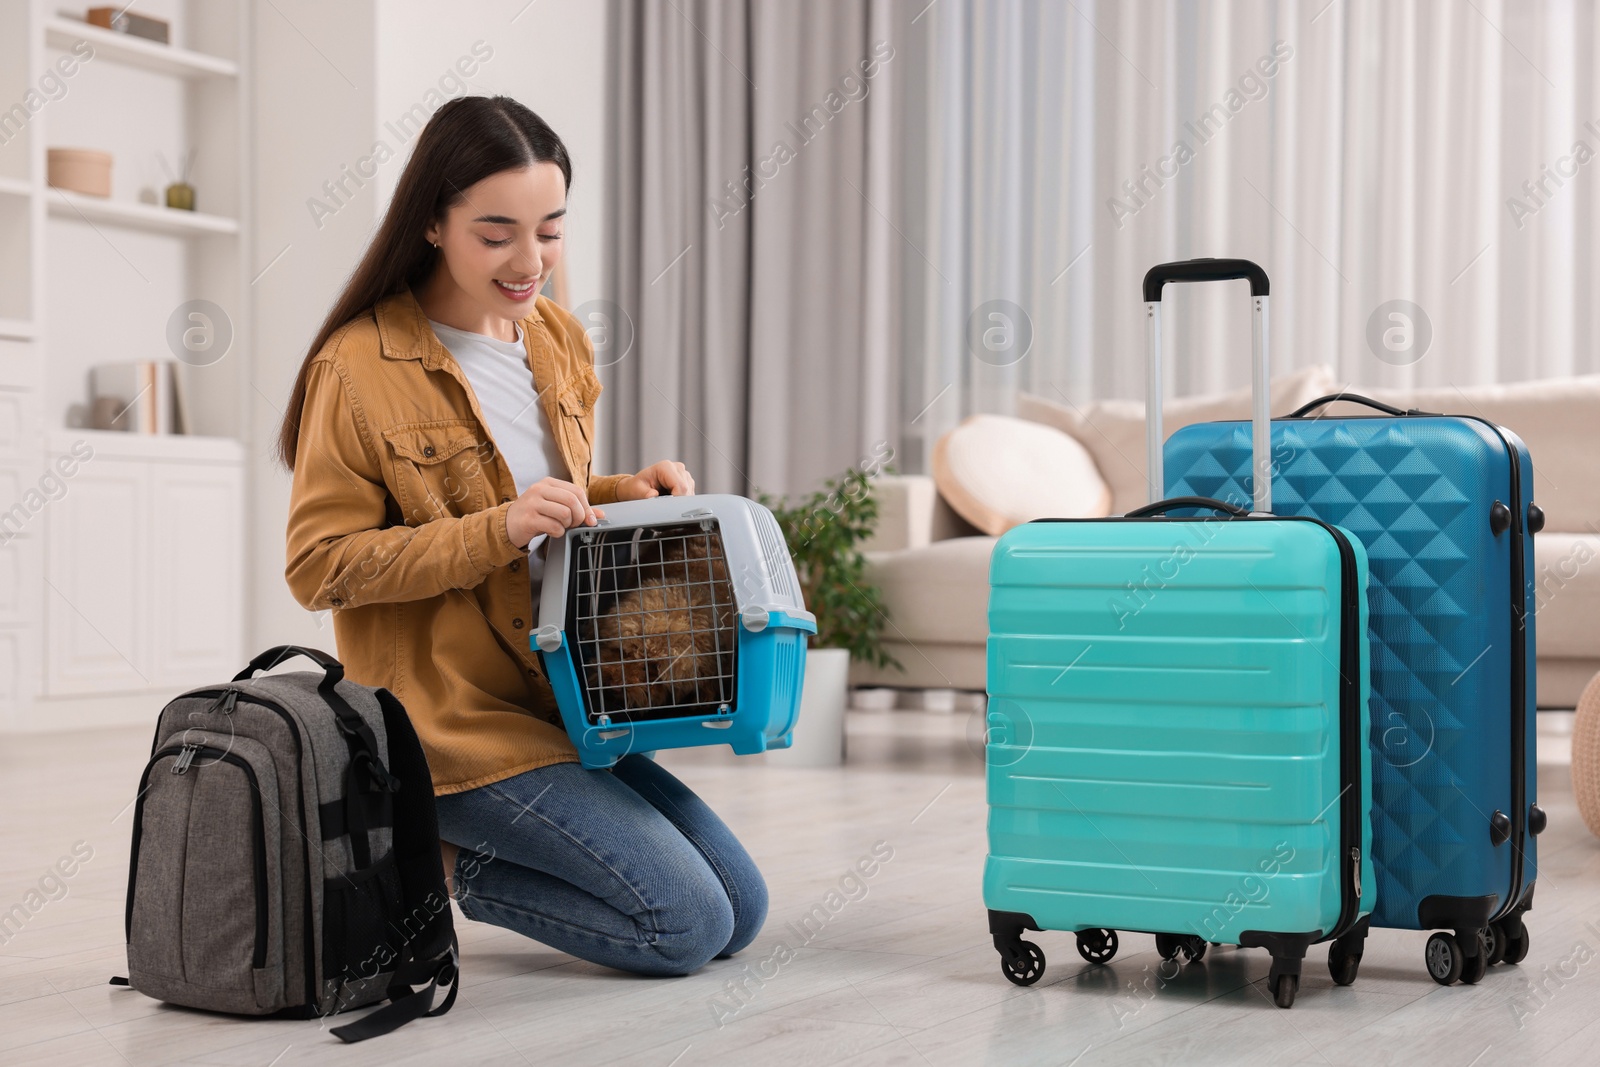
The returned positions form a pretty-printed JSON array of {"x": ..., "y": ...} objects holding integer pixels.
[
  {"x": 405, "y": 1003},
  {"x": 433, "y": 956},
  {"x": 366, "y": 772}
]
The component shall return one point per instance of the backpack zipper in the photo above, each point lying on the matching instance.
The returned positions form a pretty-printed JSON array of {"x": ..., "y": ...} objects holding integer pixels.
[{"x": 185, "y": 757}]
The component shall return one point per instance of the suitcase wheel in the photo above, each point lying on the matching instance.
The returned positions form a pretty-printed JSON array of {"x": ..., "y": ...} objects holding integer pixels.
[
  {"x": 1495, "y": 940},
  {"x": 1284, "y": 987},
  {"x": 1027, "y": 967},
  {"x": 1097, "y": 946},
  {"x": 1169, "y": 945},
  {"x": 1343, "y": 965},
  {"x": 1444, "y": 959},
  {"x": 1474, "y": 968},
  {"x": 1508, "y": 943}
]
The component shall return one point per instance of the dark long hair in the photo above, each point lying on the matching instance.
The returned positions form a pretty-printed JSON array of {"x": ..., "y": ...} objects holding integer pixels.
[{"x": 464, "y": 142}]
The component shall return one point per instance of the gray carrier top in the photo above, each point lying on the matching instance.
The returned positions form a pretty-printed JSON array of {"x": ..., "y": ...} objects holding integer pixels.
[{"x": 759, "y": 566}]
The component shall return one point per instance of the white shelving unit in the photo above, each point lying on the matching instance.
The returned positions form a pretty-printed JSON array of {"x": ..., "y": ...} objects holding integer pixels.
[
  {"x": 146, "y": 217},
  {"x": 63, "y": 33},
  {"x": 99, "y": 583}
]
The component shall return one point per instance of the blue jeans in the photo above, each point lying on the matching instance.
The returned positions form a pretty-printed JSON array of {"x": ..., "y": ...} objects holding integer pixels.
[{"x": 626, "y": 868}]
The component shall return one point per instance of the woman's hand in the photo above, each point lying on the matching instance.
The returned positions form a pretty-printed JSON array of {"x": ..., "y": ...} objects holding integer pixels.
[
  {"x": 669, "y": 476},
  {"x": 550, "y": 506}
]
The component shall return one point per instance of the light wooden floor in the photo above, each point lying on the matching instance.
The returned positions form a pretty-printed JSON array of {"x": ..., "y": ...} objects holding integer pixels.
[{"x": 902, "y": 975}]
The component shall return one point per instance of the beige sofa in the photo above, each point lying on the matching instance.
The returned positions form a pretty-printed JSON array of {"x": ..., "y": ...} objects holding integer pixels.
[{"x": 933, "y": 566}]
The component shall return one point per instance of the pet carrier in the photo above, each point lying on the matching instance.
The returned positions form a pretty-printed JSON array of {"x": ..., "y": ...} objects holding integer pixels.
[{"x": 674, "y": 622}]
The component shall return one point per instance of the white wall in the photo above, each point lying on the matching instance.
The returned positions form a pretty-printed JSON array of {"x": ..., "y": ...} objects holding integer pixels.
[
  {"x": 551, "y": 58},
  {"x": 322, "y": 106},
  {"x": 315, "y": 108}
]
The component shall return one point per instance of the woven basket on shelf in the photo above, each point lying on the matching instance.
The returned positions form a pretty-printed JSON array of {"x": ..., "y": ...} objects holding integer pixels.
[{"x": 1586, "y": 756}]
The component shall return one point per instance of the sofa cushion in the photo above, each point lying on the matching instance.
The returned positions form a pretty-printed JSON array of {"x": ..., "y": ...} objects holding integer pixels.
[
  {"x": 998, "y": 472},
  {"x": 1113, "y": 430},
  {"x": 1566, "y": 589},
  {"x": 939, "y": 593},
  {"x": 1556, "y": 419}
]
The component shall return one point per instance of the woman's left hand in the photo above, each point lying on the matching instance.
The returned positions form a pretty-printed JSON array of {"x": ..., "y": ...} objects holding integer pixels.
[{"x": 669, "y": 476}]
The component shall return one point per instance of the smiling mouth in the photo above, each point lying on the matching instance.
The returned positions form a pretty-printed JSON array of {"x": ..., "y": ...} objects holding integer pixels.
[{"x": 518, "y": 290}]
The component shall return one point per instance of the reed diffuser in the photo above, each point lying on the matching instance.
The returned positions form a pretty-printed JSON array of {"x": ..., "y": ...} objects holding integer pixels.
[{"x": 180, "y": 194}]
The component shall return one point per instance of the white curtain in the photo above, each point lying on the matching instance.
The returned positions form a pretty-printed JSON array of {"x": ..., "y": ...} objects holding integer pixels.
[{"x": 1364, "y": 151}]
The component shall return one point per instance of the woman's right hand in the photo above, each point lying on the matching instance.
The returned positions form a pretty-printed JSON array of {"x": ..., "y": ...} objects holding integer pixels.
[{"x": 550, "y": 506}]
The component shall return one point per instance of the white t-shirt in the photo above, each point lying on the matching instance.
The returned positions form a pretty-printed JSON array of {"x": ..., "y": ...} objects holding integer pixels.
[{"x": 503, "y": 385}]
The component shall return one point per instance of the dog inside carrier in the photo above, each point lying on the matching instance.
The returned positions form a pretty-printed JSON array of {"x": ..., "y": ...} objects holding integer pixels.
[{"x": 653, "y": 622}]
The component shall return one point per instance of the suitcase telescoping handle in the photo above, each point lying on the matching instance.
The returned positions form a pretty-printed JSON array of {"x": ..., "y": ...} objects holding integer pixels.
[{"x": 1210, "y": 270}]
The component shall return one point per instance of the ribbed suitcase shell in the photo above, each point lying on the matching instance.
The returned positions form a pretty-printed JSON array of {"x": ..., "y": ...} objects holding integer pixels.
[
  {"x": 1418, "y": 492},
  {"x": 1165, "y": 735}
]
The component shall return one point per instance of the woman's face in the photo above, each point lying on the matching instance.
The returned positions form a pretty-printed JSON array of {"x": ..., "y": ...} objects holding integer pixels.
[{"x": 501, "y": 240}]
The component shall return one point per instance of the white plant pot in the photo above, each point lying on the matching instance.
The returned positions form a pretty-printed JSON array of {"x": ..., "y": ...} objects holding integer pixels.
[{"x": 819, "y": 731}]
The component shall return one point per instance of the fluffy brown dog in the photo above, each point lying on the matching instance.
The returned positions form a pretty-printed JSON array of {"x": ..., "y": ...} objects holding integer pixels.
[{"x": 665, "y": 642}]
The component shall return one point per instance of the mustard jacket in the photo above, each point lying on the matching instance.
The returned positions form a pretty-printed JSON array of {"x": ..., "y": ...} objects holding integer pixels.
[{"x": 397, "y": 523}]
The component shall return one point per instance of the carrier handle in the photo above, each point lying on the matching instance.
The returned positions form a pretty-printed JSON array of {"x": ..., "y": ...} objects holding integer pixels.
[
  {"x": 1353, "y": 398},
  {"x": 1161, "y": 507},
  {"x": 1210, "y": 270}
]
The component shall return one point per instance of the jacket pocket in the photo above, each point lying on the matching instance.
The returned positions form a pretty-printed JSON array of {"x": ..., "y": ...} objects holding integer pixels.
[
  {"x": 438, "y": 469},
  {"x": 576, "y": 401}
]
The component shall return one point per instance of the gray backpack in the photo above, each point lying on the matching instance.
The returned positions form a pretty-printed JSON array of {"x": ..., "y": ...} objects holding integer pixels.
[{"x": 286, "y": 854}]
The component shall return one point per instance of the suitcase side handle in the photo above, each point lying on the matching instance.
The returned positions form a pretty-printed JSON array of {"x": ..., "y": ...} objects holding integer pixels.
[
  {"x": 1161, "y": 507},
  {"x": 1210, "y": 270}
]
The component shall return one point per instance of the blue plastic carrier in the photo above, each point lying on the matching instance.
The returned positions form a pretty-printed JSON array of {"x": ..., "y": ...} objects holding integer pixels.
[
  {"x": 1443, "y": 505},
  {"x": 1177, "y": 724},
  {"x": 675, "y": 622}
]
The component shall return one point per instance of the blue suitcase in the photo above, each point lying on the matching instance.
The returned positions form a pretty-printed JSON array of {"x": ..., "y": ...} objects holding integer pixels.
[
  {"x": 1177, "y": 722},
  {"x": 1444, "y": 507}
]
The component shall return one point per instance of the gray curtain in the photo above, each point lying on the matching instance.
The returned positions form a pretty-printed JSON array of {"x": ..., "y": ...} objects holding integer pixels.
[{"x": 749, "y": 326}]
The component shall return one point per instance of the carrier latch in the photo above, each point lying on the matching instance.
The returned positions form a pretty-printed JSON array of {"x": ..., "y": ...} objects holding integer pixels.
[{"x": 548, "y": 638}]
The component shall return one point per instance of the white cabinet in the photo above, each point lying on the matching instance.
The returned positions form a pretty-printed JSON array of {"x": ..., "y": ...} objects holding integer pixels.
[
  {"x": 15, "y": 654},
  {"x": 143, "y": 572},
  {"x": 16, "y": 424},
  {"x": 94, "y": 583},
  {"x": 196, "y": 548},
  {"x": 19, "y": 567},
  {"x": 20, "y": 501}
]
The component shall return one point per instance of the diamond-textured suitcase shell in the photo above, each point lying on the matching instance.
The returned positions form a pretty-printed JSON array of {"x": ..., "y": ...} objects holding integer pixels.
[
  {"x": 1453, "y": 746},
  {"x": 1167, "y": 727}
]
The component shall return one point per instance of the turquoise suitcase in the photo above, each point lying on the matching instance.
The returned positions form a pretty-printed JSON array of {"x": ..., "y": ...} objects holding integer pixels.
[{"x": 1178, "y": 722}]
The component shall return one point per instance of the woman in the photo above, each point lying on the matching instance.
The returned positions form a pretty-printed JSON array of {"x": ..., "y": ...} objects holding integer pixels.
[{"x": 432, "y": 431}]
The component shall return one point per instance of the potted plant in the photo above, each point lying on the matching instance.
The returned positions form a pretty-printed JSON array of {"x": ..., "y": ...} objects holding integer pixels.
[{"x": 824, "y": 531}]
